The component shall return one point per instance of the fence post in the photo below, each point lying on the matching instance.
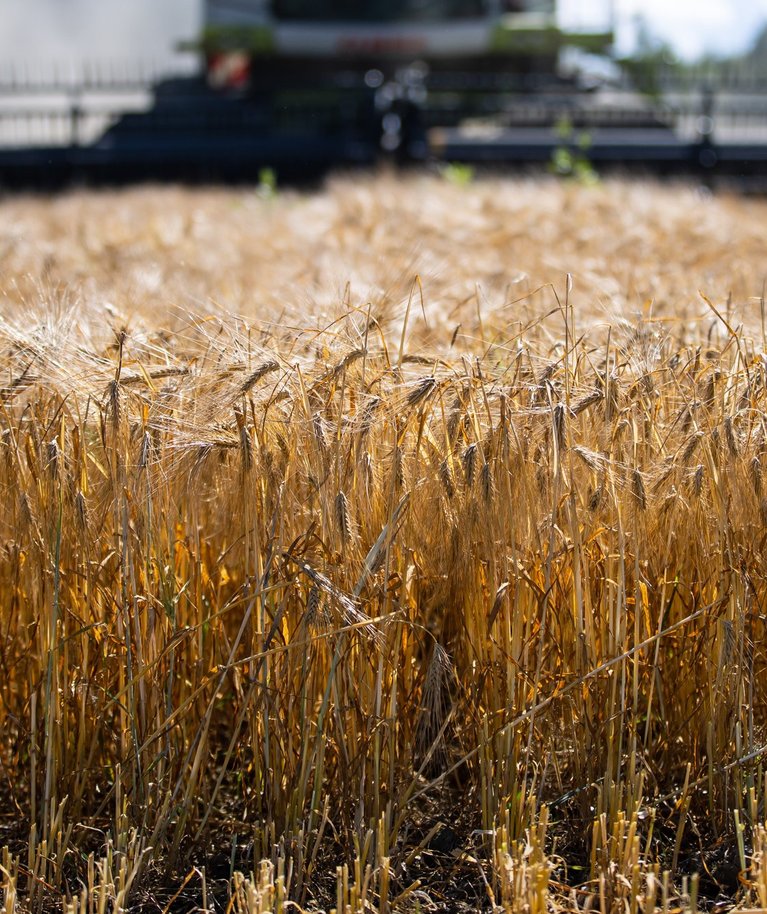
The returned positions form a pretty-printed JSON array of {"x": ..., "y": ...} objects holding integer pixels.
[
  {"x": 706, "y": 152},
  {"x": 75, "y": 118}
]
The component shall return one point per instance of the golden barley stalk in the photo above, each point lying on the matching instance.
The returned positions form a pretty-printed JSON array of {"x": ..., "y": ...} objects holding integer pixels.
[
  {"x": 343, "y": 519},
  {"x": 258, "y": 372}
]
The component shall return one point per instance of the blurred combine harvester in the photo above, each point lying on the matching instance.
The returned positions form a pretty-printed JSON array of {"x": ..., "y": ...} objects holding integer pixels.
[
  {"x": 456, "y": 53},
  {"x": 298, "y": 87}
]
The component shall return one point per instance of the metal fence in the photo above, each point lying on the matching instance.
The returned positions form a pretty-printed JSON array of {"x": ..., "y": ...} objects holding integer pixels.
[
  {"x": 48, "y": 105},
  {"x": 153, "y": 111}
]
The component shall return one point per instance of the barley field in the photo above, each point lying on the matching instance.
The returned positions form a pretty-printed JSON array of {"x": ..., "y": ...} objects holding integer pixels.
[{"x": 394, "y": 547}]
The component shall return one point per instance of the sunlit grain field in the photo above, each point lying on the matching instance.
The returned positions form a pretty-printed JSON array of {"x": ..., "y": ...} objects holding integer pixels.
[{"x": 394, "y": 547}]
